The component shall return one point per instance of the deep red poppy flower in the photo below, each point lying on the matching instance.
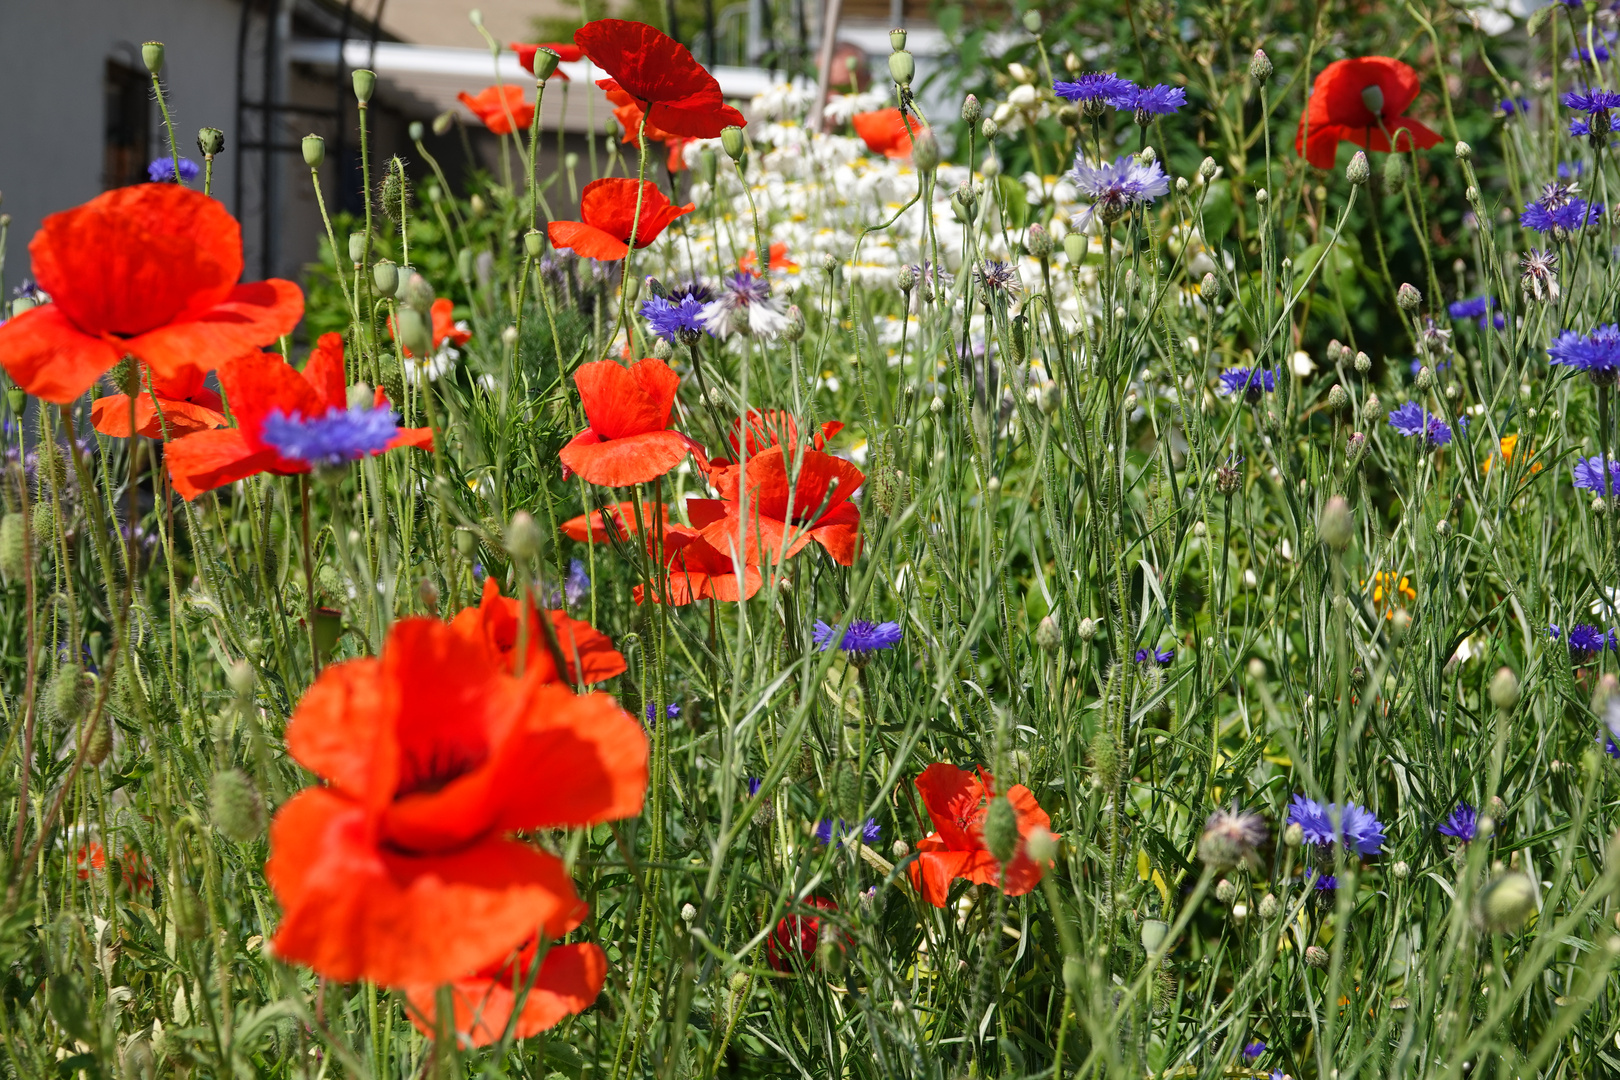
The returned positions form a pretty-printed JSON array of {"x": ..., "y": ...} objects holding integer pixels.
[
  {"x": 796, "y": 937},
  {"x": 699, "y": 571},
  {"x": 401, "y": 868},
  {"x": 499, "y": 107},
  {"x": 569, "y": 979},
  {"x": 621, "y": 517},
  {"x": 783, "y": 517},
  {"x": 608, "y": 208},
  {"x": 566, "y": 53},
  {"x": 148, "y": 271},
  {"x": 766, "y": 428},
  {"x": 627, "y": 409},
  {"x": 884, "y": 132},
  {"x": 443, "y": 313},
  {"x": 779, "y": 260},
  {"x": 589, "y": 653},
  {"x": 627, "y": 111},
  {"x": 187, "y": 407},
  {"x": 679, "y": 94},
  {"x": 956, "y": 800},
  {"x": 1348, "y": 103},
  {"x": 257, "y": 385}
]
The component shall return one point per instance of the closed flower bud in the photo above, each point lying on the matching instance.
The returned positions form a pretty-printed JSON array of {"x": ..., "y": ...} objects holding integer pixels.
[
  {"x": 1337, "y": 399},
  {"x": 1363, "y": 363},
  {"x": 16, "y": 396},
  {"x": 210, "y": 141},
  {"x": 688, "y": 912},
  {"x": 545, "y": 63},
  {"x": 1316, "y": 957},
  {"x": 906, "y": 278},
  {"x": 1086, "y": 630},
  {"x": 899, "y": 849},
  {"x": 1372, "y": 409},
  {"x": 1262, "y": 197},
  {"x": 385, "y": 276},
  {"x": 442, "y": 122},
  {"x": 415, "y": 333},
  {"x": 69, "y": 694},
  {"x": 1038, "y": 242},
  {"x": 365, "y": 82},
  {"x": 242, "y": 677},
  {"x": 1463, "y": 151},
  {"x": 415, "y": 131},
  {"x": 1001, "y": 829},
  {"x": 829, "y": 263},
  {"x": 795, "y": 324},
  {"x": 1355, "y": 447},
  {"x": 234, "y": 806},
  {"x": 1225, "y": 891},
  {"x": 989, "y": 128},
  {"x": 1207, "y": 169},
  {"x": 98, "y": 741},
  {"x": 1047, "y": 634},
  {"x": 152, "y": 56},
  {"x": 925, "y": 151},
  {"x": 1260, "y": 68},
  {"x": 1358, "y": 172},
  {"x": 1507, "y": 902},
  {"x": 902, "y": 68},
  {"x": 1268, "y": 907},
  {"x": 1336, "y": 526},
  {"x": 1407, "y": 297},
  {"x": 1294, "y": 834},
  {"x": 1069, "y": 116},
  {"x": 466, "y": 543},
  {"x": 523, "y": 536},
  {"x": 534, "y": 243},
  {"x": 731, "y": 139},
  {"x": 1395, "y": 173},
  {"x": 418, "y": 294},
  {"x": 1032, "y": 21},
  {"x": 13, "y": 545},
  {"x": 1401, "y": 870},
  {"x": 1504, "y": 689},
  {"x": 314, "y": 151},
  {"x": 1041, "y": 846},
  {"x": 663, "y": 349},
  {"x": 1153, "y": 933},
  {"x": 1210, "y": 288},
  {"x": 971, "y": 109},
  {"x": 897, "y": 39}
]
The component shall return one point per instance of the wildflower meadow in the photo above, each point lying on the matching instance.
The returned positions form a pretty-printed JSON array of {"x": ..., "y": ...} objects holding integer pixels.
[{"x": 1114, "y": 577}]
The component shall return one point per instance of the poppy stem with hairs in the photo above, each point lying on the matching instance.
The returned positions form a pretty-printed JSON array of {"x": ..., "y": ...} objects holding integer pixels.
[
  {"x": 168, "y": 124},
  {"x": 630, "y": 246},
  {"x": 762, "y": 260},
  {"x": 309, "y": 576},
  {"x": 536, "y": 196},
  {"x": 331, "y": 238}
]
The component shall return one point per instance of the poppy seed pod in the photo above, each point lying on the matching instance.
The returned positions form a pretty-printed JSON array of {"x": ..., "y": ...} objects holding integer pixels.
[
  {"x": 152, "y": 56},
  {"x": 534, "y": 243},
  {"x": 545, "y": 63},
  {"x": 925, "y": 151},
  {"x": 442, "y": 122},
  {"x": 902, "y": 68},
  {"x": 210, "y": 141},
  {"x": 234, "y": 806},
  {"x": 385, "y": 276},
  {"x": 731, "y": 139},
  {"x": 1001, "y": 829},
  {"x": 1507, "y": 901},
  {"x": 1260, "y": 68},
  {"x": 897, "y": 39},
  {"x": 971, "y": 109},
  {"x": 415, "y": 131},
  {"x": 1074, "y": 248},
  {"x": 1372, "y": 96},
  {"x": 365, "y": 82},
  {"x": 314, "y": 151},
  {"x": 1358, "y": 172},
  {"x": 1038, "y": 242},
  {"x": 415, "y": 333},
  {"x": 357, "y": 248},
  {"x": 1407, "y": 297},
  {"x": 466, "y": 543}
]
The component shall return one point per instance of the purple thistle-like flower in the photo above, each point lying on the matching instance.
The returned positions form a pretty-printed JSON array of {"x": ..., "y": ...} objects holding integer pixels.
[
  {"x": 675, "y": 320},
  {"x": 862, "y": 637},
  {"x": 1250, "y": 382},
  {"x": 1598, "y": 351},
  {"x": 1543, "y": 216},
  {"x": 1116, "y": 187},
  {"x": 747, "y": 291},
  {"x": 1589, "y": 476},
  {"x": 1609, "y": 745},
  {"x": 671, "y": 712},
  {"x": 161, "y": 171},
  {"x": 1099, "y": 87},
  {"x": 1360, "y": 829},
  {"x": 996, "y": 276},
  {"x": 1594, "y": 101},
  {"x": 1254, "y": 1049},
  {"x": 1411, "y": 420},
  {"x": 1160, "y": 100},
  {"x": 1586, "y": 641},
  {"x": 1461, "y": 822},
  {"x": 342, "y": 435},
  {"x": 827, "y": 830},
  {"x": 1582, "y": 129}
]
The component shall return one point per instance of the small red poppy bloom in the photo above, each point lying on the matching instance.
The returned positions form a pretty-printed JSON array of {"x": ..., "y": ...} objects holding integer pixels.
[
  {"x": 444, "y": 325},
  {"x": 794, "y": 941},
  {"x": 956, "y": 800},
  {"x": 779, "y": 259},
  {"x": 782, "y": 517},
  {"x": 608, "y": 208},
  {"x": 1358, "y": 101},
  {"x": 589, "y": 653},
  {"x": 699, "y": 571},
  {"x": 766, "y": 428},
  {"x": 627, "y": 408},
  {"x": 135, "y": 872},
  {"x": 257, "y": 385},
  {"x": 400, "y": 868},
  {"x": 186, "y": 406},
  {"x": 149, "y": 271},
  {"x": 566, "y": 53},
  {"x": 499, "y": 107},
  {"x": 569, "y": 979},
  {"x": 884, "y": 132},
  {"x": 627, "y": 111},
  {"x": 620, "y": 518},
  {"x": 679, "y": 94}
]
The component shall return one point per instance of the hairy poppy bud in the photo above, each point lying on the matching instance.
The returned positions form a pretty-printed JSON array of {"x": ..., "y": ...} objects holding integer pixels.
[
  {"x": 69, "y": 693},
  {"x": 925, "y": 151},
  {"x": 1260, "y": 68},
  {"x": 314, "y": 151},
  {"x": 415, "y": 333},
  {"x": 466, "y": 543},
  {"x": 971, "y": 109},
  {"x": 417, "y": 293},
  {"x": 385, "y": 276},
  {"x": 902, "y": 68},
  {"x": 731, "y": 138},
  {"x": 534, "y": 243},
  {"x": 442, "y": 122},
  {"x": 210, "y": 141},
  {"x": 545, "y": 63},
  {"x": 1358, "y": 172},
  {"x": 242, "y": 677},
  {"x": 1001, "y": 830},
  {"x": 897, "y": 40},
  {"x": 1336, "y": 526},
  {"x": 365, "y": 82},
  {"x": 1505, "y": 689},
  {"x": 98, "y": 741},
  {"x": 1038, "y": 242},
  {"x": 1407, "y": 297},
  {"x": 1507, "y": 901},
  {"x": 152, "y": 56},
  {"x": 234, "y": 806},
  {"x": 1395, "y": 174}
]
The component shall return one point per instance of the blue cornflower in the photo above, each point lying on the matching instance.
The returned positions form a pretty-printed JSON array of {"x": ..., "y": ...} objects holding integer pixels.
[
  {"x": 1250, "y": 382},
  {"x": 671, "y": 711},
  {"x": 1253, "y": 1050},
  {"x": 1609, "y": 746},
  {"x": 1569, "y": 170},
  {"x": 1360, "y": 829},
  {"x": 1546, "y": 215},
  {"x": 161, "y": 170},
  {"x": 754, "y": 783},
  {"x": 1589, "y": 476},
  {"x": 1586, "y": 641},
  {"x": 1098, "y": 88},
  {"x": 578, "y": 582},
  {"x": 1478, "y": 307},
  {"x": 1325, "y": 883},
  {"x": 1411, "y": 419},
  {"x": 1598, "y": 351},
  {"x": 1582, "y": 129},
  {"x": 1417, "y": 365},
  {"x": 1510, "y": 106},
  {"x": 675, "y": 320},
  {"x": 1145, "y": 101},
  {"x": 1163, "y": 659},
  {"x": 826, "y": 830},
  {"x": 1593, "y": 102},
  {"x": 1116, "y": 187},
  {"x": 1461, "y": 822},
  {"x": 341, "y": 435},
  {"x": 862, "y": 637}
]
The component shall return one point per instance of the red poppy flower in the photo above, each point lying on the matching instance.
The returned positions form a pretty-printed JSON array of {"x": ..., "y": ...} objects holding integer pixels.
[
  {"x": 135, "y": 872},
  {"x": 779, "y": 259},
  {"x": 627, "y": 111},
  {"x": 884, "y": 132},
  {"x": 627, "y": 409},
  {"x": 187, "y": 407},
  {"x": 783, "y": 517},
  {"x": 621, "y": 518},
  {"x": 401, "y": 869},
  {"x": 956, "y": 800},
  {"x": 699, "y": 571},
  {"x": 499, "y": 107},
  {"x": 257, "y": 385},
  {"x": 795, "y": 938},
  {"x": 609, "y": 209},
  {"x": 1358, "y": 101},
  {"x": 148, "y": 271},
  {"x": 569, "y": 979},
  {"x": 589, "y": 653},
  {"x": 774, "y": 427},
  {"x": 680, "y": 96},
  {"x": 566, "y": 53},
  {"x": 444, "y": 325}
]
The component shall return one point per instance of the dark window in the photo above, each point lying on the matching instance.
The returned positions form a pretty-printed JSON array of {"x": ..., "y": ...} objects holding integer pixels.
[{"x": 129, "y": 125}]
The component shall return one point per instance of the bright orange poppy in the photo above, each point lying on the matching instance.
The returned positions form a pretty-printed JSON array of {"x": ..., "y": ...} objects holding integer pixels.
[
  {"x": 608, "y": 208},
  {"x": 620, "y": 517},
  {"x": 766, "y": 428},
  {"x": 401, "y": 869},
  {"x": 678, "y": 93},
  {"x": 783, "y": 517},
  {"x": 1359, "y": 100},
  {"x": 149, "y": 271},
  {"x": 779, "y": 259},
  {"x": 699, "y": 571},
  {"x": 186, "y": 405},
  {"x": 957, "y": 800},
  {"x": 569, "y": 979},
  {"x": 885, "y": 132},
  {"x": 499, "y": 107},
  {"x": 257, "y": 385},
  {"x": 589, "y": 653},
  {"x": 627, "y": 410}
]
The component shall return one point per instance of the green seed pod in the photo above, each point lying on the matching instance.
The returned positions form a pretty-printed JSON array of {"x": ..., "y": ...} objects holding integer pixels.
[
  {"x": 534, "y": 243},
  {"x": 1074, "y": 248},
  {"x": 1506, "y": 902},
  {"x": 98, "y": 741},
  {"x": 897, "y": 39},
  {"x": 69, "y": 694},
  {"x": 234, "y": 806},
  {"x": 210, "y": 141},
  {"x": 152, "y": 56},
  {"x": 357, "y": 248},
  {"x": 365, "y": 83},
  {"x": 731, "y": 139},
  {"x": 416, "y": 131},
  {"x": 13, "y": 546},
  {"x": 466, "y": 543},
  {"x": 545, "y": 62},
  {"x": 385, "y": 276},
  {"x": 314, "y": 151},
  {"x": 902, "y": 68},
  {"x": 1001, "y": 829},
  {"x": 395, "y": 191}
]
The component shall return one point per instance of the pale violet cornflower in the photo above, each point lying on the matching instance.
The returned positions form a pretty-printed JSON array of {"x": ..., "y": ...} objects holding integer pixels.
[
  {"x": 342, "y": 435},
  {"x": 1096, "y": 89},
  {"x": 828, "y": 831},
  {"x": 1116, "y": 188},
  {"x": 862, "y": 637},
  {"x": 748, "y": 292},
  {"x": 675, "y": 320},
  {"x": 161, "y": 171},
  {"x": 1589, "y": 476}
]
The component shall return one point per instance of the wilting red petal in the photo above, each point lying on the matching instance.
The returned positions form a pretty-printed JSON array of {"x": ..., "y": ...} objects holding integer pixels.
[
  {"x": 51, "y": 358},
  {"x": 569, "y": 980},
  {"x": 935, "y": 868},
  {"x": 884, "y": 132},
  {"x": 683, "y": 98},
  {"x": 499, "y": 107}
]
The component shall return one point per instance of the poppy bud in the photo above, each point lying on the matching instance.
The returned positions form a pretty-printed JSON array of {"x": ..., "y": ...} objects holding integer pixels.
[
  {"x": 314, "y": 151},
  {"x": 69, "y": 694},
  {"x": 152, "y": 56},
  {"x": 417, "y": 293},
  {"x": 242, "y": 678},
  {"x": 415, "y": 131},
  {"x": 1407, "y": 297},
  {"x": 1373, "y": 97},
  {"x": 1038, "y": 242},
  {"x": 1363, "y": 363},
  {"x": 971, "y": 109},
  {"x": 1316, "y": 957},
  {"x": 1504, "y": 689},
  {"x": 466, "y": 543},
  {"x": 902, "y": 68},
  {"x": 98, "y": 741},
  {"x": 357, "y": 248},
  {"x": 897, "y": 40},
  {"x": 442, "y": 122},
  {"x": 385, "y": 276},
  {"x": 365, "y": 82},
  {"x": 234, "y": 806},
  {"x": 989, "y": 129},
  {"x": 414, "y": 333},
  {"x": 1394, "y": 174},
  {"x": 1294, "y": 834},
  {"x": 1262, "y": 197},
  {"x": 925, "y": 151},
  {"x": 795, "y": 325},
  {"x": 1336, "y": 525},
  {"x": 534, "y": 243},
  {"x": 1074, "y": 248},
  {"x": 1358, "y": 171},
  {"x": 360, "y": 395},
  {"x": 1001, "y": 830},
  {"x": 210, "y": 141},
  {"x": 1207, "y": 168},
  {"x": 1507, "y": 901},
  {"x": 731, "y": 139},
  {"x": 1260, "y": 68},
  {"x": 1032, "y": 22},
  {"x": 509, "y": 336},
  {"x": 545, "y": 62},
  {"x": 13, "y": 537},
  {"x": 523, "y": 536}
]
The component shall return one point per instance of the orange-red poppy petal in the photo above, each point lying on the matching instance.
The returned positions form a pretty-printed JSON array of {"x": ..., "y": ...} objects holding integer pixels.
[
  {"x": 343, "y": 730},
  {"x": 110, "y": 416},
  {"x": 586, "y": 241},
  {"x": 46, "y": 355},
  {"x": 884, "y": 132},
  {"x": 211, "y": 459},
  {"x": 622, "y": 462},
  {"x": 569, "y": 980},
  {"x": 935, "y": 868},
  {"x": 612, "y": 204},
  {"x": 622, "y": 519},
  {"x": 592, "y": 753},
  {"x": 653, "y": 68},
  {"x": 1339, "y": 87},
  {"x": 620, "y": 401},
  {"x": 250, "y": 315}
]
